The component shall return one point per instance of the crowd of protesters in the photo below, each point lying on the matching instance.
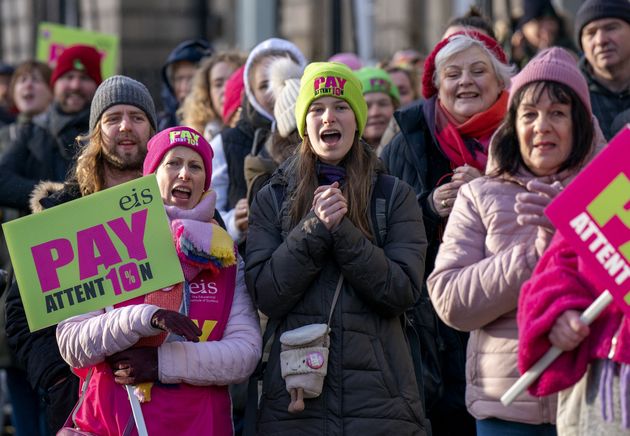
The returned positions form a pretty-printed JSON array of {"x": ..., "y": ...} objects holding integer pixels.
[{"x": 374, "y": 235}]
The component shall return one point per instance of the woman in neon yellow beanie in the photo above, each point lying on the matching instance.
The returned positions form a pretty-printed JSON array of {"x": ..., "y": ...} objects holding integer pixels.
[{"x": 318, "y": 230}]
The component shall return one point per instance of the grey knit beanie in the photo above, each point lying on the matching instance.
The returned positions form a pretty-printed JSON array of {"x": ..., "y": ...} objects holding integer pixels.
[
  {"x": 592, "y": 10},
  {"x": 121, "y": 90}
]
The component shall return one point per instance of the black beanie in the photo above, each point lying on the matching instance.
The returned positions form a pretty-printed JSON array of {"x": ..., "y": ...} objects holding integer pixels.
[
  {"x": 596, "y": 9},
  {"x": 534, "y": 9}
]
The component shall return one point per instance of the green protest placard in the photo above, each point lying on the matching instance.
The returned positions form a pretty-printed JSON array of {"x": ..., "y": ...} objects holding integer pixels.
[
  {"x": 93, "y": 252},
  {"x": 53, "y": 39}
]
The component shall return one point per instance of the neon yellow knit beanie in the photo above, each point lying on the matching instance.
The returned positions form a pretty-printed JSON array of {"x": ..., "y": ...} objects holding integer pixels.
[{"x": 330, "y": 79}]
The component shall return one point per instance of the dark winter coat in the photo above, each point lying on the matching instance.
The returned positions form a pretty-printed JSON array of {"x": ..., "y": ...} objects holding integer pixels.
[
  {"x": 43, "y": 150},
  {"x": 607, "y": 105},
  {"x": 415, "y": 157},
  {"x": 292, "y": 273},
  {"x": 237, "y": 144}
]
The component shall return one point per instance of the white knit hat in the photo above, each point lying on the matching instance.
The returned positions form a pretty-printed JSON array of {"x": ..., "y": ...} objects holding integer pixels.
[{"x": 284, "y": 81}]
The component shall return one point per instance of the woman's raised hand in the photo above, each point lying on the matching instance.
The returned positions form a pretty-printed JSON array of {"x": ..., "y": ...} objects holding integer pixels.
[
  {"x": 444, "y": 195},
  {"x": 329, "y": 205},
  {"x": 241, "y": 214}
]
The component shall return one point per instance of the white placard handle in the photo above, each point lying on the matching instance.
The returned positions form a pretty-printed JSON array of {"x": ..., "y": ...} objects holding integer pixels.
[
  {"x": 529, "y": 376},
  {"x": 138, "y": 417}
]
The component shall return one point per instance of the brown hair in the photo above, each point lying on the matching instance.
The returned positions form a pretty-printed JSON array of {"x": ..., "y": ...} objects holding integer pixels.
[
  {"x": 360, "y": 163},
  {"x": 89, "y": 169}
]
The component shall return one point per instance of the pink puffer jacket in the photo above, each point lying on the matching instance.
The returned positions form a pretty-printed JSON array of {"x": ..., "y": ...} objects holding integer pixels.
[{"x": 484, "y": 259}]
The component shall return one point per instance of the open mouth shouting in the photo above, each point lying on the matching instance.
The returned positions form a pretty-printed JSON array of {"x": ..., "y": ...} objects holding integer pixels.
[
  {"x": 330, "y": 137},
  {"x": 181, "y": 192}
]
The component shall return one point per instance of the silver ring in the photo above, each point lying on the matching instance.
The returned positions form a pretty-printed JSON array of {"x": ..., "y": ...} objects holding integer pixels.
[{"x": 444, "y": 204}]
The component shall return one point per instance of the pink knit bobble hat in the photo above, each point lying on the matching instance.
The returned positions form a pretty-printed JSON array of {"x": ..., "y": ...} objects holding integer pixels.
[
  {"x": 178, "y": 136},
  {"x": 554, "y": 64}
]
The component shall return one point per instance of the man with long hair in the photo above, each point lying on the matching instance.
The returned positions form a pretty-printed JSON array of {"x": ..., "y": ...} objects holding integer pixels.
[{"x": 122, "y": 120}]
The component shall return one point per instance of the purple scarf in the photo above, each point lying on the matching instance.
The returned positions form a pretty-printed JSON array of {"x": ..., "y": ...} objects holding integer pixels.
[
  {"x": 329, "y": 174},
  {"x": 605, "y": 391}
]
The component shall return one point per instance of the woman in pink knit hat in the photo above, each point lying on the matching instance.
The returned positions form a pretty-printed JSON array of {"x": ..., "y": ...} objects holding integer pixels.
[
  {"x": 497, "y": 232},
  {"x": 179, "y": 346}
]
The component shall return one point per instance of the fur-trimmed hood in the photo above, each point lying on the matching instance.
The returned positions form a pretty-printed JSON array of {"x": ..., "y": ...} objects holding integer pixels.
[{"x": 48, "y": 194}]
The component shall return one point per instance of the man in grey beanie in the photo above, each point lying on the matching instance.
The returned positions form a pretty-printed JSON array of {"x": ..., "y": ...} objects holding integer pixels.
[
  {"x": 122, "y": 119},
  {"x": 602, "y": 30}
]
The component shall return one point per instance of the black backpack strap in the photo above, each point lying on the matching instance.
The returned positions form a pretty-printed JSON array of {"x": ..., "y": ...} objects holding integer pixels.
[{"x": 381, "y": 205}]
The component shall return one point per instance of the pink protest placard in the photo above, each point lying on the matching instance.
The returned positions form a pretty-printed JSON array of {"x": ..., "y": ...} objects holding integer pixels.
[{"x": 593, "y": 213}]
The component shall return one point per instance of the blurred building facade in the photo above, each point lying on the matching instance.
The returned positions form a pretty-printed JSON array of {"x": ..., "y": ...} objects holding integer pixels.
[{"x": 149, "y": 29}]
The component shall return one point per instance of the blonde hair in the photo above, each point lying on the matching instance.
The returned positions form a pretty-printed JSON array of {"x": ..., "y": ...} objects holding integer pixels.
[
  {"x": 89, "y": 170},
  {"x": 360, "y": 165},
  {"x": 196, "y": 110}
]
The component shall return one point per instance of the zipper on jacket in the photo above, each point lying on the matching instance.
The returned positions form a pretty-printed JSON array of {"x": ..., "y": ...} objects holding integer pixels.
[{"x": 613, "y": 343}]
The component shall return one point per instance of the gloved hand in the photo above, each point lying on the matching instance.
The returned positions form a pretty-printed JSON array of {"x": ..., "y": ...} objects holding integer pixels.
[
  {"x": 530, "y": 207},
  {"x": 134, "y": 365},
  {"x": 175, "y": 322}
]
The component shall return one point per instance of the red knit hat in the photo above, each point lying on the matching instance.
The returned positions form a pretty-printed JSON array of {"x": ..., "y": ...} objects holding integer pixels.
[
  {"x": 428, "y": 88},
  {"x": 78, "y": 57},
  {"x": 179, "y": 136},
  {"x": 233, "y": 94}
]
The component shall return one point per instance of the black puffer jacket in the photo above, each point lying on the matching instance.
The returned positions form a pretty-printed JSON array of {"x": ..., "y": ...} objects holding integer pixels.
[
  {"x": 43, "y": 150},
  {"x": 370, "y": 388},
  {"x": 415, "y": 157}
]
